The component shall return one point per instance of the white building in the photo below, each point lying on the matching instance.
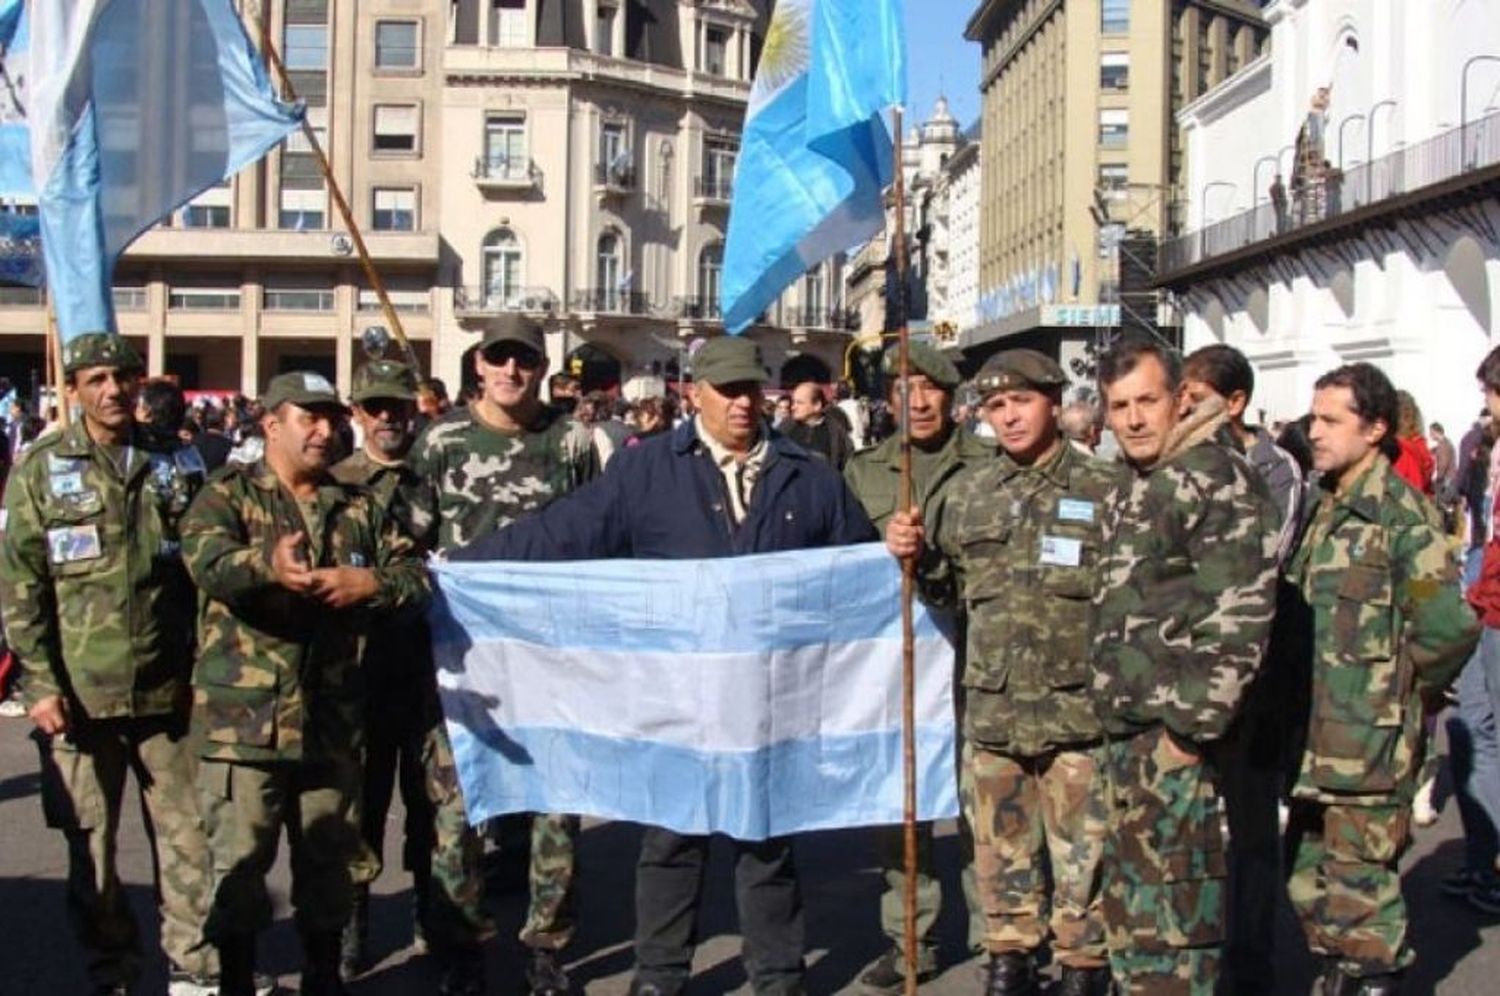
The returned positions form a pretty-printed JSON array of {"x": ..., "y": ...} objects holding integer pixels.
[
  {"x": 963, "y": 182},
  {"x": 1377, "y": 123}
]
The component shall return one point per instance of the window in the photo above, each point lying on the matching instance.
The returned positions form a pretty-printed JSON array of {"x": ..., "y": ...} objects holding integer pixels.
[
  {"x": 396, "y": 45},
  {"x": 302, "y": 210},
  {"x": 203, "y": 298},
  {"x": 1113, "y": 179},
  {"x": 407, "y": 300},
  {"x": 812, "y": 297},
  {"x": 205, "y": 216},
  {"x": 1114, "y": 17},
  {"x": 306, "y": 46},
  {"x": 317, "y": 119},
  {"x": 502, "y": 268},
  {"x": 508, "y": 24},
  {"x": 607, "y": 272},
  {"x": 293, "y": 294},
  {"x": 604, "y": 30},
  {"x": 715, "y": 51},
  {"x": 1114, "y": 128},
  {"x": 615, "y": 166},
  {"x": 395, "y": 210},
  {"x": 395, "y": 128},
  {"x": 718, "y": 168},
  {"x": 505, "y": 146},
  {"x": 1114, "y": 71},
  {"x": 710, "y": 276}
]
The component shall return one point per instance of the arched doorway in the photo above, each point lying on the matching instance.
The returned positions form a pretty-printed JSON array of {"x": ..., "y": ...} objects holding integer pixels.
[{"x": 595, "y": 368}]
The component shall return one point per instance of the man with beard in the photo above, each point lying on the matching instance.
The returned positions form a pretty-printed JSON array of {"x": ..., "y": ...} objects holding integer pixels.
[{"x": 397, "y": 661}]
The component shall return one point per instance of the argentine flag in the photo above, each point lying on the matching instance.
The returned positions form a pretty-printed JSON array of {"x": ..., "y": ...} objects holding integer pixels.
[
  {"x": 816, "y": 154},
  {"x": 133, "y": 108},
  {"x": 750, "y": 696}
]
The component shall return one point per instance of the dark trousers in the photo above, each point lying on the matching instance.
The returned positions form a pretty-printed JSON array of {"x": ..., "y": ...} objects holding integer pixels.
[
  {"x": 393, "y": 757},
  {"x": 668, "y": 892},
  {"x": 1250, "y": 783}
]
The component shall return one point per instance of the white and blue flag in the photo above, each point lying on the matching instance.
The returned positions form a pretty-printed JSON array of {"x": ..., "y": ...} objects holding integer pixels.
[
  {"x": 750, "y": 696},
  {"x": 133, "y": 107},
  {"x": 816, "y": 154}
]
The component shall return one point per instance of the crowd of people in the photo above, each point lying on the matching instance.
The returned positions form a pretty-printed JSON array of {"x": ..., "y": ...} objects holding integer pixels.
[{"x": 1201, "y": 667}]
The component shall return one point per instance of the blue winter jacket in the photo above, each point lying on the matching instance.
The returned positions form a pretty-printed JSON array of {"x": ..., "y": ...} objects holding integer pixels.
[{"x": 665, "y": 500}]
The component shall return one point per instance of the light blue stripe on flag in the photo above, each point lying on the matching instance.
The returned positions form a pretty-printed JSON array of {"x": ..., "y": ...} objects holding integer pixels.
[
  {"x": 751, "y": 696},
  {"x": 816, "y": 154}
]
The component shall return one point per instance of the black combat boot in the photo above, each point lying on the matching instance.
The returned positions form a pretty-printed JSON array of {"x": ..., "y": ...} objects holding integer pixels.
[
  {"x": 1083, "y": 982},
  {"x": 421, "y": 886},
  {"x": 545, "y": 975},
  {"x": 237, "y": 965},
  {"x": 353, "y": 946},
  {"x": 320, "y": 964},
  {"x": 1012, "y": 974}
]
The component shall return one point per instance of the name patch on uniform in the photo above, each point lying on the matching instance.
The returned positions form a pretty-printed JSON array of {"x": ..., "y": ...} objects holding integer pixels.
[
  {"x": 67, "y": 483},
  {"x": 1060, "y": 551},
  {"x": 1075, "y": 510},
  {"x": 71, "y": 544}
]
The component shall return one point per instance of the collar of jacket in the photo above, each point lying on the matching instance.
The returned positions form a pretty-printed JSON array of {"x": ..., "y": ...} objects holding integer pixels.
[
  {"x": 1200, "y": 425},
  {"x": 1058, "y": 469},
  {"x": 262, "y": 476},
  {"x": 76, "y": 442},
  {"x": 685, "y": 440},
  {"x": 961, "y": 445},
  {"x": 1368, "y": 492}
]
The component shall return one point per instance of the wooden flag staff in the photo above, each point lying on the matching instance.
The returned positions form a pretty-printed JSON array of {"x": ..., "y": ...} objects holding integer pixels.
[
  {"x": 376, "y": 283},
  {"x": 908, "y": 583}
]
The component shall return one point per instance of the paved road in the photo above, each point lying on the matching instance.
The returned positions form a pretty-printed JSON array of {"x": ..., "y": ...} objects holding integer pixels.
[{"x": 1459, "y": 949}]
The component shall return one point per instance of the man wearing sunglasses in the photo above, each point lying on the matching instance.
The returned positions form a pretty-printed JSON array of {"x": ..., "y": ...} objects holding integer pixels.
[{"x": 484, "y": 466}]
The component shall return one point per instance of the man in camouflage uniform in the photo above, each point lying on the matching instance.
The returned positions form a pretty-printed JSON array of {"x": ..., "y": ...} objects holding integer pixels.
[
  {"x": 92, "y": 531},
  {"x": 941, "y": 450},
  {"x": 1021, "y": 536},
  {"x": 291, "y": 566},
  {"x": 483, "y": 467},
  {"x": 397, "y": 662},
  {"x": 1185, "y": 600},
  {"x": 1390, "y": 627}
]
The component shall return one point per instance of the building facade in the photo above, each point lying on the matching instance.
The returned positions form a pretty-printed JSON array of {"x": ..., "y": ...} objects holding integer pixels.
[
  {"x": 1350, "y": 207},
  {"x": 570, "y": 159},
  {"x": 1079, "y": 150}
]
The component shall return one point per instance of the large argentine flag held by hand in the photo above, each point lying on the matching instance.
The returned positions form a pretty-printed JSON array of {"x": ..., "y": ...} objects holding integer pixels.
[
  {"x": 816, "y": 154},
  {"x": 135, "y": 107},
  {"x": 750, "y": 696}
]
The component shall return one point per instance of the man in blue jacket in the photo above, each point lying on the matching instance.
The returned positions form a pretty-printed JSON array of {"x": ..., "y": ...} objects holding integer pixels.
[{"x": 720, "y": 485}]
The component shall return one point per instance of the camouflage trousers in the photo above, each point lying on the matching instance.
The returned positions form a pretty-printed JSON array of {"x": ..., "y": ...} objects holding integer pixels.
[
  {"x": 82, "y": 786},
  {"x": 1164, "y": 869},
  {"x": 1026, "y": 810},
  {"x": 456, "y": 905},
  {"x": 245, "y": 806},
  {"x": 1345, "y": 885}
]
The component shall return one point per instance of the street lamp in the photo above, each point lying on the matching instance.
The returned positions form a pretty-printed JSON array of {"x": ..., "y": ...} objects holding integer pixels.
[
  {"x": 1255, "y": 186},
  {"x": 1281, "y": 152},
  {"x": 1203, "y": 199},
  {"x": 1463, "y": 99},
  {"x": 1352, "y": 117},
  {"x": 1370, "y": 149}
]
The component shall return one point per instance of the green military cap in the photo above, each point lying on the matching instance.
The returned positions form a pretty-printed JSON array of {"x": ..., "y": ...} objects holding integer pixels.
[
  {"x": 384, "y": 379},
  {"x": 302, "y": 388},
  {"x": 729, "y": 359},
  {"x": 1019, "y": 370},
  {"x": 926, "y": 359},
  {"x": 512, "y": 327},
  {"x": 100, "y": 349}
]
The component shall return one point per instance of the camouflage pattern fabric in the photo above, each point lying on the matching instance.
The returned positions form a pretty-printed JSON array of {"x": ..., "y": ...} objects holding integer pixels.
[
  {"x": 1024, "y": 810},
  {"x": 82, "y": 784},
  {"x": 245, "y": 807},
  {"x": 478, "y": 479},
  {"x": 84, "y": 538},
  {"x": 874, "y": 475},
  {"x": 1345, "y": 884},
  {"x": 1164, "y": 869},
  {"x": 1024, "y": 544},
  {"x": 278, "y": 675},
  {"x": 1389, "y": 621},
  {"x": 1187, "y": 587}
]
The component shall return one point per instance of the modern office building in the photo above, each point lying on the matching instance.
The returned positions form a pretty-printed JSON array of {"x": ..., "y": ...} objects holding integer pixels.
[{"x": 1078, "y": 98}]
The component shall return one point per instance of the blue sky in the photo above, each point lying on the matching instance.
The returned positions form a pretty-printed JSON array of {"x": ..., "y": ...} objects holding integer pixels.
[{"x": 939, "y": 60}]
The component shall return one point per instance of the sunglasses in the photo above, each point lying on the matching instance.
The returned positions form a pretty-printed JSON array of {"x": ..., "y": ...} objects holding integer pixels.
[{"x": 500, "y": 353}]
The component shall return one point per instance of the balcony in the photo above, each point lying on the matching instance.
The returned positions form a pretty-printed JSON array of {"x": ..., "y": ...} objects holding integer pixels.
[
  {"x": 712, "y": 191},
  {"x": 613, "y": 180},
  {"x": 699, "y": 309},
  {"x": 481, "y": 302},
  {"x": 500, "y": 176},
  {"x": 1459, "y": 166},
  {"x": 835, "y": 319},
  {"x": 610, "y": 301}
]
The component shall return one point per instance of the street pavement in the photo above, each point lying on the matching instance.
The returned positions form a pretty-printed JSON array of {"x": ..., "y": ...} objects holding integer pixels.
[{"x": 1458, "y": 949}]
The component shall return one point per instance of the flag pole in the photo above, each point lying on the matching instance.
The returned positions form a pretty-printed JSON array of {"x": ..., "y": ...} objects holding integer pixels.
[
  {"x": 376, "y": 283},
  {"x": 908, "y": 579}
]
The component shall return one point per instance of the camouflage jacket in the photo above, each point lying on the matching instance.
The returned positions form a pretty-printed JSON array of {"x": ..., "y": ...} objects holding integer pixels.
[
  {"x": 1187, "y": 586},
  {"x": 101, "y": 546},
  {"x": 1389, "y": 621},
  {"x": 479, "y": 479},
  {"x": 278, "y": 673},
  {"x": 1024, "y": 545}
]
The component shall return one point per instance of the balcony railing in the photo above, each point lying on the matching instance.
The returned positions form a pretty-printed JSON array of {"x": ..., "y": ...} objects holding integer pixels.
[
  {"x": 699, "y": 309},
  {"x": 1444, "y": 157},
  {"x": 617, "y": 178},
  {"x": 20, "y": 297},
  {"x": 607, "y": 300},
  {"x": 518, "y": 173},
  {"x": 490, "y": 301},
  {"x": 822, "y": 318},
  {"x": 713, "y": 188}
]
